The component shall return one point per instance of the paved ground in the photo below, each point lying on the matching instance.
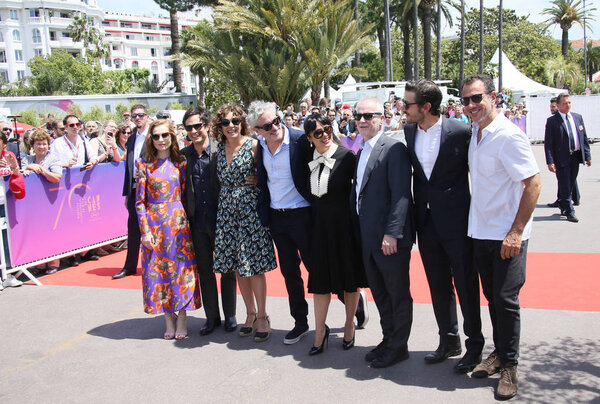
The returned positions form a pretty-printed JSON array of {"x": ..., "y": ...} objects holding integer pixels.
[{"x": 81, "y": 344}]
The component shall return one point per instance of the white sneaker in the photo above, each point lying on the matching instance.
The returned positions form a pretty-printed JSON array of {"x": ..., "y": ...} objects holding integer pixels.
[{"x": 11, "y": 281}]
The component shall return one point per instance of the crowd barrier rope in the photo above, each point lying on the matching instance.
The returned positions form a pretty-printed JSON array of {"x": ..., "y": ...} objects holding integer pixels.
[{"x": 84, "y": 210}]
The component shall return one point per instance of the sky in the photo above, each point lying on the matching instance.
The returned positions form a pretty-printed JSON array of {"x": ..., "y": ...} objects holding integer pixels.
[{"x": 533, "y": 10}]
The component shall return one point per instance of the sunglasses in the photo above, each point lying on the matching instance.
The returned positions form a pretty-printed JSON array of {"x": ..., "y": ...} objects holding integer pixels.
[
  {"x": 200, "y": 125},
  {"x": 159, "y": 136},
  {"x": 368, "y": 116},
  {"x": 408, "y": 104},
  {"x": 268, "y": 126},
  {"x": 9, "y": 130},
  {"x": 476, "y": 98},
  {"x": 72, "y": 125},
  {"x": 226, "y": 122},
  {"x": 318, "y": 134},
  {"x": 127, "y": 133},
  {"x": 138, "y": 115}
]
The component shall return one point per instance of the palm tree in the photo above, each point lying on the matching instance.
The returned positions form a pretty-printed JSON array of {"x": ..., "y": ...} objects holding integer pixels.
[
  {"x": 82, "y": 31},
  {"x": 565, "y": 13},
  {"x": 427, "y": 21},
  {"x": 462, "y": 45},
  {"x": 562, "y": 74}
]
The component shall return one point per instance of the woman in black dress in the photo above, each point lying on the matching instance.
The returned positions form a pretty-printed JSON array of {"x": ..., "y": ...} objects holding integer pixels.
[{"x": 337, "y": 259}]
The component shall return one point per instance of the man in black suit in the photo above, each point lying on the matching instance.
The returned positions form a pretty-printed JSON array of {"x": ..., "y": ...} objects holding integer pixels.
[
  {"x": 566, "y": 145},
  {"x": 135, "y": 146},
  {"x": 201, "y": 201},
  {"x": 438, "y": 150},
  {"x": 382, "y": 199}
]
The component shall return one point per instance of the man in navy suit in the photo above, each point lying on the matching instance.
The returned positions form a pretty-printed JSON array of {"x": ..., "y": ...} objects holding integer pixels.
[
  {"x": 438, "y": 149},
  {"x": 135, "y": 146},
  {"x": 566, "y": 145}
]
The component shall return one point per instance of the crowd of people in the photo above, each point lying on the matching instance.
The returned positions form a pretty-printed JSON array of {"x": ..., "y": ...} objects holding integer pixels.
[{"x": 328, "y": 187}]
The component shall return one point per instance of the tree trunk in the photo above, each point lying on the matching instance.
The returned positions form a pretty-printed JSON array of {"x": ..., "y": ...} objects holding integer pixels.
[
  {"x": 438, "y": 56},
  {"x": 381, "y": 37},
  {"x": 462, "y": 46},
  {"x": 175, "y": 46},
  {"x": 384, "y": 49},
  {"x": 357, "y": 53},
  {"x": 326, "y": 90},
  {"x": 408, "y": 70},
  {"x": 480, "y": 36},
  {"x": 416, "y": 39},
  {"x": 427, "y": 41},
  {"x": 565, "y": 43},
  {"x": 201, "y": 90}
]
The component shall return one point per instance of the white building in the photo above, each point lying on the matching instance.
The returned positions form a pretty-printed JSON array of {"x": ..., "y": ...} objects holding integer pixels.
[{"x": 34, "y": 27}]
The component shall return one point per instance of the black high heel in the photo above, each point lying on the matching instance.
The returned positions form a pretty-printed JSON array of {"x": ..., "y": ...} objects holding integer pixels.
[
  {"x": 315, "y": 350},
  {"x": 348, "y": 344}
]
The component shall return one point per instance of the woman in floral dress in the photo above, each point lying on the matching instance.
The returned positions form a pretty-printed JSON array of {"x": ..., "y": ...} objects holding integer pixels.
[
  {"x": 169, "y": 278},
  {"x": 242, "y": 243}
]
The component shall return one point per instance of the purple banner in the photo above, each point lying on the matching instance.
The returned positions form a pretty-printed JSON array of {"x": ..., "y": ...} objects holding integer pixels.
[
  {"x": 521, "y": 123},
  {"x": 84, "y": 208}
]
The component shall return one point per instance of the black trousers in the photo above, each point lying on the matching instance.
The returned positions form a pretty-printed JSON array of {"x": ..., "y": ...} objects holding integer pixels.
[
  {"x": 204, "y": 243},
  {"x": 133, "y": 236},
  {"x": 446, "y": 260},
  {"x": 291, "y": 233},
  {"x": 390, "y": 284},
  {"x": 567, "y": 180},
  {"x": 501, "y": 281}
]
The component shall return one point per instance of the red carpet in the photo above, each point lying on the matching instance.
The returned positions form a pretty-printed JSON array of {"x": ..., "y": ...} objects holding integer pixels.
[{"x": 556, "y": 281}]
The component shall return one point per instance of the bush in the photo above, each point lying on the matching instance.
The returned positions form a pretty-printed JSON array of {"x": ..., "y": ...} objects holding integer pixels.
[{"x": 30, "y": 117}]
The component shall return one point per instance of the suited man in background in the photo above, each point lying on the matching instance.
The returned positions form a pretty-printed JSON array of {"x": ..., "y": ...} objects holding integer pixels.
[
  {"x": 566, "y": 146},
  {"x": 201, "y": 202},
  {"x": 382, "y": 199},
  {"x": 438, "y": 150},
  {"x": 135, "y": 146}
]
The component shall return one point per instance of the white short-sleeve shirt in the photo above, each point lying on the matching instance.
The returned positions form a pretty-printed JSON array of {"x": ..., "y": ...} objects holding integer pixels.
[
  {"x": 63, "y": 150},
  {"x": 498, "y": 165}
]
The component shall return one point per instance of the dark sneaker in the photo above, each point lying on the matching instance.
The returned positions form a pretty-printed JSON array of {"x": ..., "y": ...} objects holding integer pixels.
[
  {"x": 488, "y": 367},
  {"x": 508, "y": 384},
  {"x": 296, "y": 334}
]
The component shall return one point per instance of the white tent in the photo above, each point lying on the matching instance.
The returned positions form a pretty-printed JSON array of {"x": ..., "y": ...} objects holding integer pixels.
[{"x": 518, "y": 83}]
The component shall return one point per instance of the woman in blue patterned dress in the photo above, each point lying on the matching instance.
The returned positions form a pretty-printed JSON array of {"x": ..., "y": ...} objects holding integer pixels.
[
  {"x": 242, "y": 243},
  {"x": 169, "y": 277}
]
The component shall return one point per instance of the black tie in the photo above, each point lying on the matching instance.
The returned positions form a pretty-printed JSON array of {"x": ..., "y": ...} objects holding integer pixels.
[{"x": 571, "y": 138}]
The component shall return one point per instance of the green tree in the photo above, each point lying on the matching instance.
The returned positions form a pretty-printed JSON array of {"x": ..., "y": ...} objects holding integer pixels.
[
  {"x": 562, "y": 74},
  {"x": 565, "y": 13},
  {"x": 82, "y": 30}
]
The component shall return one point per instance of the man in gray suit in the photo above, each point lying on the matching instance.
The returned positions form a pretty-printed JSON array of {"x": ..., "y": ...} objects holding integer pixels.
[{"x": 381, "y": 197}]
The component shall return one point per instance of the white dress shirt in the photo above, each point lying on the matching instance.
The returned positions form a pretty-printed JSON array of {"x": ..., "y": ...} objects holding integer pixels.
[
  {"x": 362, "y": 163},
  {"x": 573, "y": 128},
  {"x": 427, "y": 146},
  {"x": 140, "y": 138},
  {"x": 63, "y": 150},
  {"x": 498, "y": 165}
]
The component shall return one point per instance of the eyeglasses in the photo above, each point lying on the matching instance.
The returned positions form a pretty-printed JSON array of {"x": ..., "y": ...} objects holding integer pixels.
[
  {"x": 368, "y": 116},
  {"x": 73, "y": 125},
  {"x": 9, "y": 130},
  {"x": 268, "y": 126},
  {"x": 159, "y": 136},
  {"x": 200, "y": 125},
  {"x": 138, "y": 115},
  {"x": 476, "y": 98},
  {"x": 126, "y": 115},
  {"x": 318, "y": 134},
  {"x": 235, "y": 121},
  {"x": 408, "y": 103},
  {"x": 127, "y": 132},
  {"x": 61, "y": 129}
]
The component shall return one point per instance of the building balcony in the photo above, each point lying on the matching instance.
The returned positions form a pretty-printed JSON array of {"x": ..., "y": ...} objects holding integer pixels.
[
  {"x": 36, "y": 20},
  {"x": 60, "y": 21}
]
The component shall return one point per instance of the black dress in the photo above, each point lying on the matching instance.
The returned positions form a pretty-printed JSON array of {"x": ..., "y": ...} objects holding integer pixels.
[{"x": 337, "y": 260}]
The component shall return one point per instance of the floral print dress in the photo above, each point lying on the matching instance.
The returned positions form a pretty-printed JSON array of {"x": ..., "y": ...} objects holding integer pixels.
[
  {"x": 242, "y": 243},
  {"x": 169, "y": 277}
]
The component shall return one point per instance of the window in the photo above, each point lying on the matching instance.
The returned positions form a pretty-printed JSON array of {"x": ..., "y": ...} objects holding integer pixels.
[
  {"x": 165, "y": 27},
  {"x": 168, "y": 65},
  {"x": 36, "y": 37},
  {"x": 115, "y": 47},
  {"x": 16, "y": 35},
  {"x": 13, "y": 15},
  {"x": 105, "y": 23},
  {"x": 108, "y": 62},
  {"x": 65, "y": 15},
  {"x": 133, "y": 51},
  {"x": 169, "y": 77},
  {"x": 53, "y": 35},
  {"x": 1, "y": 37},
  {"x": 155, "y": 78},
  {"x": 146, "y": 26},
  {"x": 3, "y": 75},
  {"x": 149, "y": 38},
  {"x": 34, "y": 12},
  {"x": 135, "y": 64},
  {"x": 118, "y": 63},
  {"x": 153, "y": 52},
  {"x": 154, "y": 67},
  {"x": 66, "y": 35},
  {"x": 2, "y": 56},
  {"x": 19, "y": 55},
  {"x": 167, "y": 51},
  {"x": 20, "y": 74},
  {"x": 128, "y": 36},
  {"x": 37, "y": 52},
  {"x": 126, "y": 25}
]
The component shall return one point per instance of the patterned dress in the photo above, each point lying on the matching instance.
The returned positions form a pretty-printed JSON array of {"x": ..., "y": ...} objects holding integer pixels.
[
  {"x": 242, "y": 243},
  {"x": 169, "y": 278}
]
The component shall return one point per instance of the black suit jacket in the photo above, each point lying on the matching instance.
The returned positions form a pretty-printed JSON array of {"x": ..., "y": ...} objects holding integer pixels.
[
  {"x": 210, "y": 215},
  {"x": 447, "y": 189},
  {"x": 384, "y": 201},
  {"x": 299, "y": 152},
  {"x": 556, "y": 140},
  {"x": 128, "y": 189}
]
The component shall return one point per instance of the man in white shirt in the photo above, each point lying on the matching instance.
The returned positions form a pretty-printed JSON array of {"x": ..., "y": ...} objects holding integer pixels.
[
  {"x": 438, "y": 150},
  {"x": 505, "y": 185},
  {"x": 135, "y": 147},
  {"x": 72, "y": 150}
]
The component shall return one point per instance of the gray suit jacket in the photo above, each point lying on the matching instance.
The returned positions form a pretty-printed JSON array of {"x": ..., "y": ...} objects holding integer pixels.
[{"x": 385, "y": 201}]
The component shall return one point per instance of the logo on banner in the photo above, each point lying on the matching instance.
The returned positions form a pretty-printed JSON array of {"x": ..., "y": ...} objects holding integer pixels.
[{"x": 87, "y": 209}]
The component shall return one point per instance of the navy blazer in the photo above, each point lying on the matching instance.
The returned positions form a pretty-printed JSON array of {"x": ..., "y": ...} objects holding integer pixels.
[
  {"x": 556, "y": 140},
  {"x": 447, "y": 189},
  {"x": 129, "y": 165},
  {"x": 299, "y": 154},
  {"x": 385, "y": 201}
]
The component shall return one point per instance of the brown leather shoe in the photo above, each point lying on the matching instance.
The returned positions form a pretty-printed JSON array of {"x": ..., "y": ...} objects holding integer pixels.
[
  {"x": 508, "y": 384},
  {"x": 488, "y": 367}
]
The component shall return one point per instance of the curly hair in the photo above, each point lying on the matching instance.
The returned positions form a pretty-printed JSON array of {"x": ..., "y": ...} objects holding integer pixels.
[
  {"x": 150, "y": 154},
  {"x": 39, "y": 135},
  {"x": 215, "y": 124}
]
